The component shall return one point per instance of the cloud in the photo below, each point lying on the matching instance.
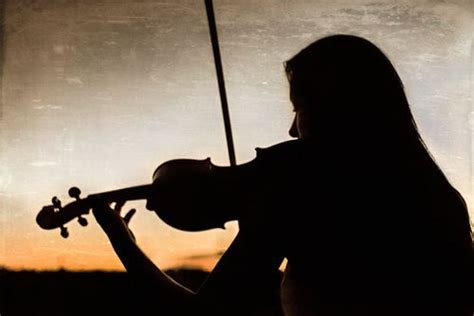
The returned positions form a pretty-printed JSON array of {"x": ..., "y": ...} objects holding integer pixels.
[
  {"x": 43, "y": 163},
  {"x": 74, "y": 81},
  {"x": 47, "y": 107}
]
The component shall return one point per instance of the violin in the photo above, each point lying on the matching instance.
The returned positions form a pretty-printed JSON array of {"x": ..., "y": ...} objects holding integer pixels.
[
  {"x": 190, "y": 193},
  {"x": 187, "y": 194}
]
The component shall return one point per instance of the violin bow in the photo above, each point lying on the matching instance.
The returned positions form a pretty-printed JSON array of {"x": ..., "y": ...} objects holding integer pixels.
[{"x": 220, "y": 80}]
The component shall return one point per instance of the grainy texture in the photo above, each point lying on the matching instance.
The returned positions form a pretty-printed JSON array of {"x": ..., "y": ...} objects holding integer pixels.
[{"x": 98, "y": 93}]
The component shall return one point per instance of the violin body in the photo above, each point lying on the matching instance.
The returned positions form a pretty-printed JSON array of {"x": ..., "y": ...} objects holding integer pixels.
[{"x": 187, "y": 194}]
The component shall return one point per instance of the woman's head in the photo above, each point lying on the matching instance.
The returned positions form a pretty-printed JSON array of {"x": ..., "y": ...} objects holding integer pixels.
[{"x": 344, "y": 87}]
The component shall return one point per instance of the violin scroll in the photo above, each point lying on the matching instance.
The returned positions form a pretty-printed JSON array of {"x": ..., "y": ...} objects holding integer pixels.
[{"x": 55, "y": 215}]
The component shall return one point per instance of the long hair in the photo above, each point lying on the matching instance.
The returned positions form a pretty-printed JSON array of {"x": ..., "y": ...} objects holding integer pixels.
[
  {"x": 350, "y": 85},
  {"x": 357, "y": 100}
]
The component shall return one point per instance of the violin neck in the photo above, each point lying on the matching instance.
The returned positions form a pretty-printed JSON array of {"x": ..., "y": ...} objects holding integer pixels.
[{"x": 128, "y": 194}]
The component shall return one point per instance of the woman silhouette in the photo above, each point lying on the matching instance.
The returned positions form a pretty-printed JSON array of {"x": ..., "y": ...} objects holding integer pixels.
[{"x": 367, "y": 220}]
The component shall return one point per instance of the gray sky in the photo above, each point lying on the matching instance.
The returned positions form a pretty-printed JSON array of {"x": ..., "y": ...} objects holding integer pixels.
[{"x": 98, "y": 93}]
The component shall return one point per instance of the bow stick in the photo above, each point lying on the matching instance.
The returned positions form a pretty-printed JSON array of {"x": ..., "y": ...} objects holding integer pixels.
[{"x": 220, "y": 80}]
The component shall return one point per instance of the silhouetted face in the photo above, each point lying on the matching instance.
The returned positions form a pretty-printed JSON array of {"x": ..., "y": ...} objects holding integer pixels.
[{"x": 302, "y": 126}]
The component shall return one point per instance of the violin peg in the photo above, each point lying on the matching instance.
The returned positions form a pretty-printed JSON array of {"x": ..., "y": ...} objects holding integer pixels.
[
  {"x": 75, "y": 192},
  {"x": 56, "y": 202},
  {"x": 64, "y": 232},
  {"x": 82, "y": 221}
]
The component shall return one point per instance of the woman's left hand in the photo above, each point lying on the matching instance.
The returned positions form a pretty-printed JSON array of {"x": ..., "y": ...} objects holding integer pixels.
[{"x": 113, "y": 224}]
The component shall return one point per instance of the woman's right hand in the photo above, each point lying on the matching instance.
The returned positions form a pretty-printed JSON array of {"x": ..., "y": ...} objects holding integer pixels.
[{"x": 113, "y": 224}]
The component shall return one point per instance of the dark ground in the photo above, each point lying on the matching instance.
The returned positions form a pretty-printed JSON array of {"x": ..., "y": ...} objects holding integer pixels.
[
  {"x": 67, "y": 293},
  {"x": 79, "y": 293}
]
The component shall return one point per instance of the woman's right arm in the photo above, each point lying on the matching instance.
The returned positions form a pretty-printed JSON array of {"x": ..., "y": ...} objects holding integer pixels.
[
  {"x": 166, "y": 293},
  {"x": 242, "y": 282}
]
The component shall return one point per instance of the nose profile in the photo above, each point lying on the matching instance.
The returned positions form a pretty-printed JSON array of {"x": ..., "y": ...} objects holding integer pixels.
[{"x": 293, "y": 129}]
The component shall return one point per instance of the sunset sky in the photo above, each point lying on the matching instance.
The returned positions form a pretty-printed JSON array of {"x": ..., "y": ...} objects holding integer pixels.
[{"x": 97, "y": 94}]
